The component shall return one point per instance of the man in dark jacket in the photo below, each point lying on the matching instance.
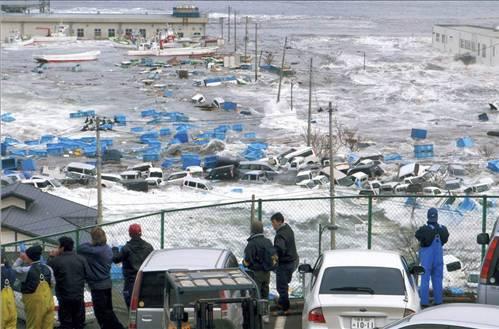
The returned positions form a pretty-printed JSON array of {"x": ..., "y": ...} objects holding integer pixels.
[
  {"x": 70, "y": 271},
  {"x": 432, "y": 237},
  {"x": 284, "y": 243},
  {"x": 254, "y": 257},
  {"x": 132, "y": 255},
  {"x": 99, "y": 257}
]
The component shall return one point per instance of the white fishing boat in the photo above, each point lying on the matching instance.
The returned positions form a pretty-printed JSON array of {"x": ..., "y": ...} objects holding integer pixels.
[
  {"x": 14, "y": 39},
  {"x": 62, "y": 58},
  {"x": 59, "y": 36},
  {"x": 184, "y": 51}
]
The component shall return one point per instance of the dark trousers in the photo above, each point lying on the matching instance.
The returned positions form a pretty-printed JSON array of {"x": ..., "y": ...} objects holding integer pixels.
[
  {"x": 128, "y": 289},
  {"x": 262, "y": 280},
  {"x": 103, "y": 309},
  {"x": 284, "y": 273},
  {"x": 71, "y": 313}
]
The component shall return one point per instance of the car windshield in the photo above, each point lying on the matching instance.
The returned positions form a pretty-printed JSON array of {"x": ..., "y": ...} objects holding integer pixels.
[{"x": 362, "y": 280}]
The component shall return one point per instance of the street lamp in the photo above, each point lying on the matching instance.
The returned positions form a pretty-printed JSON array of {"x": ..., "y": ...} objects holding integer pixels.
[
  {"x": 322, "y": 228},
  {"x": 364, "y": 53}
]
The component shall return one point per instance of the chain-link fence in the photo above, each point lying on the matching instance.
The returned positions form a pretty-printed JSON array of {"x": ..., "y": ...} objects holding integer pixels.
[{"x": 387, "y": 222}]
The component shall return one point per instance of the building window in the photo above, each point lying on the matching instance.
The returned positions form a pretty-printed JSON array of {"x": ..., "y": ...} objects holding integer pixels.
[
  {"x": 142, "y": 33},
  {"x": 484, "y": 51},
  {"x": 461, "y": 43},
  {"x": 437, "y": 38},
  {"x": 111, "y": 33},
  {"x": 97, "y": 33},
  {"x": 128, "y": 32},
  {"x": 80, "y": 33}
]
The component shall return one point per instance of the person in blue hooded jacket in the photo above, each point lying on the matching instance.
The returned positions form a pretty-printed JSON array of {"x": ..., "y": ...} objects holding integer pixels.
[
  {"x": 432, "y": 237},
  {"x": 99, "y": 257}
]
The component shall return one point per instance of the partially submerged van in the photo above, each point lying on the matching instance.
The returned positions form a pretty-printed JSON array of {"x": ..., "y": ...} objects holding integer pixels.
[
  {"x": 79, "y": 170},
  {"x": 196, "y": 184},
  {"x": 255, "y": 176},
  {"x": 307, "y": 153}
]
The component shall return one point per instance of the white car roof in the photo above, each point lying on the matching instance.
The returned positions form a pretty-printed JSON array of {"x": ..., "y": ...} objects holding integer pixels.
[
  {"x": 81, "y": 165},
  {"x": 130, "y": 172},
  {"x": 154, "y": 169},
  {"x": 110, "y": 175},
  {"x": 459, "y": 314},
  {"x": 355, "y": 257}
]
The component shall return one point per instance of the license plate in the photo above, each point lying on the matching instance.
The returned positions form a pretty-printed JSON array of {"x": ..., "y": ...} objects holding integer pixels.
[{"x": 363, "y": 323}]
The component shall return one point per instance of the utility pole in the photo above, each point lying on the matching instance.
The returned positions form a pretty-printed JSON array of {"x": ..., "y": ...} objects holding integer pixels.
[
  {"x": 331, "y": 178},
  {"x": 222, "y": 26},
  {"x": 291, "y": 95},
  {"x": 228, "y": 28},
  {"x": 246, "y": 40},
  {"x": 309, "y": 123},
  {"x": 256, "y": 52},
  {"x": 235, "y": 29},
  {"x": 99, "y": 161},
  {"x": 282, "y": 69}
]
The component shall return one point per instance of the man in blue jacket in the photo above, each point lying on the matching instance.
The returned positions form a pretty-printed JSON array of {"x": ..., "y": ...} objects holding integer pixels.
[
  {"x": 99, "y": 257},
  {"x": 432, "y": 237}
]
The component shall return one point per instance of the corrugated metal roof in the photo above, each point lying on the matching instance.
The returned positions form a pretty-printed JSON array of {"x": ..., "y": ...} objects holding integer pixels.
[{"x": 48, "y": 214}]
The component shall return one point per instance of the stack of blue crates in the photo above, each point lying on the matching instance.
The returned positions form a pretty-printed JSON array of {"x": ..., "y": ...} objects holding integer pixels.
[
  {"x": 423, "y": 151},
  {"x": 418, "y": 133}
]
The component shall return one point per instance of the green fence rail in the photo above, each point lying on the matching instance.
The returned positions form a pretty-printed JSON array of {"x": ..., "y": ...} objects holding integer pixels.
[{"x": 368, "y": 222}]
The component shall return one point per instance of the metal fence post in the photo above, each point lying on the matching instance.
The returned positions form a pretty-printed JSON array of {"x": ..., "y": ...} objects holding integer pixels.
[
  {"x": 369, "y": 221},
  {"x": 162, "y": 238},
  {"x": 77, "y": 238},
  {"x": 260, "y": 210},
  {"x": 484, "y": 221}
]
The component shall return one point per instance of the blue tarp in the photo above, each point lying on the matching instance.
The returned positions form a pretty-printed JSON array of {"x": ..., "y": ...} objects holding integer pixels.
[
  {"x": 165, "y": 132},
  {"x": 120, "y": 119},
  {"x": 392, "y": 157},
  {"x": 148, "y": 113},
  {"x": 237, "y": 127},
  {"x": 46, "y": 138},
  {"x": 230, "y": 106},
  {"x": 40, "y": 153},
  {"x": 9, "y": 163},
  {"x": 167, "y": 163},
  {"x": 182, "y": 136},
  {"x": 137, "y": 129},
  {"x": 493, "y": 165},
  {"x": 4, "y": 149},
  {"x": 464, "y": 142},
  {"x": 7, "y": 117}
]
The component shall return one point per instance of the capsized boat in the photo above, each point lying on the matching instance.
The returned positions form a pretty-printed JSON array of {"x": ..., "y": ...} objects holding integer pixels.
[{"x": 62, "y": 58}]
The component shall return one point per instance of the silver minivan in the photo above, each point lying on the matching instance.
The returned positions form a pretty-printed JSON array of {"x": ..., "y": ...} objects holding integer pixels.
[
  {"x": 147, "y": 309},
  {"x": 488, "y": 286}
]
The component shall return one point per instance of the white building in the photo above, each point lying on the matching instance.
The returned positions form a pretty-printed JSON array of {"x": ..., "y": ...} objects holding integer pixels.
[
  {"x": 481, "y": 42},
  {"x": 102, "y": 26}
]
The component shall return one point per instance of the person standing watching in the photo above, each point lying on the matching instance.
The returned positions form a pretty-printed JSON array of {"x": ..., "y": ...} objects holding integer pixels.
[
  {"x": 9, "y": 312},
  {"x": 99, "y": 258},
  {"x": 70, "y": 271},
  {"x": 132, "y": 255},
  {"x": 432, "y": 237},
  {"x": 284, "y": 243},
  {"x": 36, "y": 282}
]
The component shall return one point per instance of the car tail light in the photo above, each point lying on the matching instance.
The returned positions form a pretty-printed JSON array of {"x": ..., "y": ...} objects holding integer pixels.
[
  {"x": 487, "y": 262},
  {"x": 408, "y": 312},
  {"x": 134, "y": 301},
  {"x": 223, "y": 307},
  {"x": 316, "y": 316}
]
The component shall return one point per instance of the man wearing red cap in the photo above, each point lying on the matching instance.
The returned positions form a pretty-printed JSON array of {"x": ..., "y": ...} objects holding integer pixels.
[{"x": 132, "y": 255}]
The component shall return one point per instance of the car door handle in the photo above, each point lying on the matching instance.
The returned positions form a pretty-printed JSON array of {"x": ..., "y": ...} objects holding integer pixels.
[{"x": 146, "y": 318}]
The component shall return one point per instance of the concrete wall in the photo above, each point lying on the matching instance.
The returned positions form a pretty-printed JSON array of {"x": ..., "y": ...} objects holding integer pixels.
[{"x": 454, "y": 41}]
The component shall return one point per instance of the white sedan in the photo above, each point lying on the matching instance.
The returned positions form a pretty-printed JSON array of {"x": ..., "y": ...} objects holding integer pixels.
[{"x": 358, "y": 289}]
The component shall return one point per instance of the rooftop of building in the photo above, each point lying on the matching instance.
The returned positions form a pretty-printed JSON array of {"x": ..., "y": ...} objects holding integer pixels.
[
  {"x": 101, "y": 17},
  {"x": 492, "y": 32}
]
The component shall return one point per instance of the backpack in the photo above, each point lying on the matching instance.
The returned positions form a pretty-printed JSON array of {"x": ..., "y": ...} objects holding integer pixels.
[{"x": 270, "y": 258}]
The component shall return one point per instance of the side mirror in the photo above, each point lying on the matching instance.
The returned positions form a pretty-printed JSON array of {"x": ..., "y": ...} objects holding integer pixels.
[
  {"x": 483, "y": 238},
  {"x": 305, "y": 268},
  {"x": 454, "y": 266},
  {"x": 417, "y": 270}
]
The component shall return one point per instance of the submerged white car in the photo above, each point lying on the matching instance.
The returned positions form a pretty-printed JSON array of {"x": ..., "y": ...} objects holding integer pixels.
[{"x": 358, "y": 289}]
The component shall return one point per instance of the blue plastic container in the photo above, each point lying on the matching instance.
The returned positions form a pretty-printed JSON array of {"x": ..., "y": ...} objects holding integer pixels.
[
  {"x": 237, "y": 127},
  {"x": 137, "y": 129},
  {"x": 464, "y": 142},
  {"x": 167, "y": 163},
  {"x": 249, "y": 135},
  {"x": 165, "y": 132},
  {"x": 120, "y": 120},
  {"x": 418, "y": 133},
  {"x": 392, "y": 157},
  {"x": 46, "y": 138}
]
